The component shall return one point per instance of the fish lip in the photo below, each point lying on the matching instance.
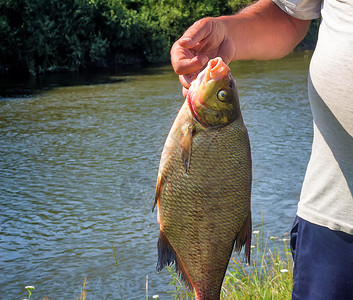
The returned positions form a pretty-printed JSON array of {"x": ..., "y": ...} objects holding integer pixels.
[{"x": 215, "y": 71}]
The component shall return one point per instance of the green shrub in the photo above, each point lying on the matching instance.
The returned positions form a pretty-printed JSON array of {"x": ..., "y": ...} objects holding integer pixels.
[{"x": 68, "y": 35}]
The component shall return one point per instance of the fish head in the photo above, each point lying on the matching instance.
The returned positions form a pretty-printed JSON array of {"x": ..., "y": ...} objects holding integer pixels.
[{"x": 213, "y": 96}]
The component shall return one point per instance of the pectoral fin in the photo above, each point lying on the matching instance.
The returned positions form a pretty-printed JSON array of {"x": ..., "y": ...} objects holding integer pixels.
[
  {"x": 159, "y": 187},
  {"x": 188, "y": 132}
]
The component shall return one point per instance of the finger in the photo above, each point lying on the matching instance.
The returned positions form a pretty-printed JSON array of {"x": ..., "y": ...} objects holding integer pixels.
[
  {"x": 189, "y": 66},
  {"x": 186, "y": 80},
  {"x": 185, "y": 83},
  {"x": 185, "y": 61},
  {"x": 196, "y": 33},
  {"x": 185, "y": 92}
]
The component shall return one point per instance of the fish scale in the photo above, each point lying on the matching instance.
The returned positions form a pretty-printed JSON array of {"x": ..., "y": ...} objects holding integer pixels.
[{"x": 203, "y": 210}]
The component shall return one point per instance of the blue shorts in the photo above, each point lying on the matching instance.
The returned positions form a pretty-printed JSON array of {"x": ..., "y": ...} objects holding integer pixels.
[{"x": 323, "y": 262}]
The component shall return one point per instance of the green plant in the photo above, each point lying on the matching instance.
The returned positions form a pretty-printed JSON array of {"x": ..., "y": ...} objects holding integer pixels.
[
  {"x": 309, "y": 41},
  {"x": 40, "y": 36},
  {"x": 269, "y": 275},
  {"x": 117, "y": 269},
  {"x": 237, "y": 5},
  {"x": 29, "y": 289},
  {"x": 83, "y": 294},
  {"x": 180, "y": 291}
]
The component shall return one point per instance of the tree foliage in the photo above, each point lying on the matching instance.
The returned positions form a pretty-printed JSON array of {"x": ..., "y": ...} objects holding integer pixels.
[{"x": 68, "y": 35}]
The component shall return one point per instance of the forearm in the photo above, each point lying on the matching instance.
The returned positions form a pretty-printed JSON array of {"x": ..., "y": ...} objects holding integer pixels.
[{"x": 263, "y": 31}]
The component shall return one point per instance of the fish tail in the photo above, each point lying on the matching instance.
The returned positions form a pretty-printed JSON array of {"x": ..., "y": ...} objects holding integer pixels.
[{"x": 167, "y": 256}]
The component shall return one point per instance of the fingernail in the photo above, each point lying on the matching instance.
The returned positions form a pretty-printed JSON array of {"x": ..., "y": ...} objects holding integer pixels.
[{"x": 185, "y": 39}]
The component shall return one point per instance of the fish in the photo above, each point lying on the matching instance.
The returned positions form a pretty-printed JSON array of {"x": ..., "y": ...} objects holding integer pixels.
[{"x": 204, "y": 181}]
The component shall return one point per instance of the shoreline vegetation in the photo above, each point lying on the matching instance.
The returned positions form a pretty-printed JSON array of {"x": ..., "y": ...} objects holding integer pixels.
[
  {"x": 269, "y": 275},
  {"x": 41, "y": 36}
]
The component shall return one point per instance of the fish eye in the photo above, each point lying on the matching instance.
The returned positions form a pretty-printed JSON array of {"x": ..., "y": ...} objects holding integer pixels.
[{"x": 222, "y": 95}]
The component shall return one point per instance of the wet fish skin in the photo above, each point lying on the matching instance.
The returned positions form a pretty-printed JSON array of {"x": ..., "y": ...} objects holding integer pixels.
[{"x": 204, "y": 185}]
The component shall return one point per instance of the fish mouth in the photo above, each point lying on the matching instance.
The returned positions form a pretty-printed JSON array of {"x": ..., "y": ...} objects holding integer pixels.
[{"x": 216, "y": 69}]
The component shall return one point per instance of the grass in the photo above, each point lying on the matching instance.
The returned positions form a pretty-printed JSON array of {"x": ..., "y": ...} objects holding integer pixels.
[
  {"x": 180, "y": 291},
  {"x": 117, "y": 271},
  {"x": 83, "y": 294},
  {"x": 269, "y": 275}
]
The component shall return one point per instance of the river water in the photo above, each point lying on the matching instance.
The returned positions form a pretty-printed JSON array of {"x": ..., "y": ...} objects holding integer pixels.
[{"x": 78, "y": 164}]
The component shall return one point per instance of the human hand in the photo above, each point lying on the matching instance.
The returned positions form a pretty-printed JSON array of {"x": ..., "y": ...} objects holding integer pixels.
[{"x": 204, "y": 40}]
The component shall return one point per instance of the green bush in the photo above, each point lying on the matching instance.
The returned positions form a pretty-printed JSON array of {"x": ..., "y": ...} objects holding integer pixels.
[
  {"x": 68, "y": 35},
  {"x": 309, "y": 42}
]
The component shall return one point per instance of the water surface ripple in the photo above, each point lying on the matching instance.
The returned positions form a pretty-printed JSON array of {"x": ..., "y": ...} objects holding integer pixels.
[{"x": 78, "y": 164}]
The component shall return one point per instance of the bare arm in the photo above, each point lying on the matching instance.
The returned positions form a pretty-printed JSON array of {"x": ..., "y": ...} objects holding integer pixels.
[{"x": 261, "y": 31}]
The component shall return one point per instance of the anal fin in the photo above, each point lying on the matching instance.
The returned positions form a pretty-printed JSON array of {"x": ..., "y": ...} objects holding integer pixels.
[
  {"x": 167, "y": 256},
  {"x": 244, "y": 237}
]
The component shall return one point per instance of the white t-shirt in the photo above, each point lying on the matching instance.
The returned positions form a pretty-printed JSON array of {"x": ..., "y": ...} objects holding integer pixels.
[{"x": 326, "y": 198}]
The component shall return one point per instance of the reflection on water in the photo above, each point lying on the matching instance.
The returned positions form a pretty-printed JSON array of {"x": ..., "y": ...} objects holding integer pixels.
[{"x": 78, "y": 164}]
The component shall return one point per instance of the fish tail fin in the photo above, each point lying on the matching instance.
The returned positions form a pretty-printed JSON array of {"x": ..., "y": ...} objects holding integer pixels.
[
  {"x": 244, "y": 237},
  {"x": 167, "y": 256}
]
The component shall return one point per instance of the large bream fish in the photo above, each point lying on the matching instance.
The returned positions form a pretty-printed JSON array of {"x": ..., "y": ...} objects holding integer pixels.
[{"x": 204, "y": 184}]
